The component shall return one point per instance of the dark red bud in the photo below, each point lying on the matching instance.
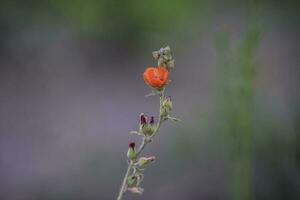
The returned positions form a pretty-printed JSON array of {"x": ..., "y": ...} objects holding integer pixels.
[
  {"x": 143, "y": 119},
  {"x": 131, "y": 145},
  {"x": 152, "y": 120}
]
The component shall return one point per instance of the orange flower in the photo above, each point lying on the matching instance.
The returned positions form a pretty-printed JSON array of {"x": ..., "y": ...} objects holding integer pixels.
[{"x": 156, "y": 77}]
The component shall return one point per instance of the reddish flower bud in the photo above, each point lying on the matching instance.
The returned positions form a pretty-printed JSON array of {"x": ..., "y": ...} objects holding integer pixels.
[
  {"x": 131, "y": 153},
  {"x": 143, "y": 119},
  {"x": 152, "y": 120},
  {"x": 131, "y": 145},
  {"x": 147, "y": 127}
]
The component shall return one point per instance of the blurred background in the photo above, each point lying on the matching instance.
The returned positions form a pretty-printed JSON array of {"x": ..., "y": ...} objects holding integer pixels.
[{"x": 71, "y": 89}]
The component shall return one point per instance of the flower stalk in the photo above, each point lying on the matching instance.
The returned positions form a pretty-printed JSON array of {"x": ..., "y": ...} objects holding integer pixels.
[{"x": 156, "y": 78}]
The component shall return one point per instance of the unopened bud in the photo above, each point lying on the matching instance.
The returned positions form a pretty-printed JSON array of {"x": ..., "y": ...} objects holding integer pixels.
[
  {"x": 167, "y": 106},
  {"x": 152, "y": 120},
  {"x": 167, "y": 49},
  {"x": 168, "y": 103},
  {"x": 164, "y": 57},
  {"x": 155, "y": 54},
  {"x": 131, "y": 153},
  {"x": 171, "y": 64},
  {"x": 160, "y": 61},
  {"x": 145, "y": 161},
  {"x": 143, "y": 119},
  {"x": 132, "y": 181},
  {"x": 146, "y": 128}
]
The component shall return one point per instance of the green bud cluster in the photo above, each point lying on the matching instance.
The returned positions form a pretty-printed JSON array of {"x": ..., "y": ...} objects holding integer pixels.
[
  {"x": 166, "y": 107},
  {"x": 164, "y": 58},
  {"x": 133, "y": 181}
]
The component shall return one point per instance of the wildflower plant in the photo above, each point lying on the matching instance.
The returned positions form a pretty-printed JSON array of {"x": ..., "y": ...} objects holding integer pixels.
[{"x": 157, "y": 79}]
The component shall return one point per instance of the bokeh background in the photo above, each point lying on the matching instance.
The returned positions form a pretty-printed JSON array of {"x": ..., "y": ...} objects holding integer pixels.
[{"x": 71, "y": 89}]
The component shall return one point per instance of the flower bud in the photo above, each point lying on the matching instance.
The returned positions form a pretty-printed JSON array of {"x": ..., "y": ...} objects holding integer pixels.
[
  {"x": 168, "y": 103},
  {"x": 166, "y": 107},
  {"x": 161, "y": 61},
  {"x": 135, "y": 179},
  {"x": 152, "y": 121},
  {"x": 155, "y": 54},
  {"x": 171, "y": 64},
  {"x": 143, "y": 119},
  {"x": 143, "y": 123},
  {"x": 147, "y": 128},
  {"x": 132, "y": 181},
  {"x": 164, "y": 57},
  {"x": 131, "y": 153},
  {"x": 167, "y": 49},
  {"x": 145, "y": 161}
]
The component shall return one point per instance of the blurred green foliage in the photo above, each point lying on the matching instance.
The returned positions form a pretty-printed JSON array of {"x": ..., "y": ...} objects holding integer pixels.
[
  {"x": 130, "y": 20},
  {"x": 237, "y": 73},
  {"x": 258, "y": 145}
]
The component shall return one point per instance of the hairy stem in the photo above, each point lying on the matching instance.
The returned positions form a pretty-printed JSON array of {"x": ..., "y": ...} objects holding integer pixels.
[
  {"x": 142, "y": 147},
  {"x": 160, "y": 120},
  {"x": 122, "y": 190}
]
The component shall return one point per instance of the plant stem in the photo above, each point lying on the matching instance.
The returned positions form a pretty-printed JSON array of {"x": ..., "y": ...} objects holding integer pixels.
[
  {"x": 122, "y": 190},
  {"x": 160, "y": 120},
  {"x": 142, "y": 147}
]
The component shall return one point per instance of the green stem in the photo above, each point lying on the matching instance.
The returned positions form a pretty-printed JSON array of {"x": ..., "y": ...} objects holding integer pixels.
[{"x": 160, "y": 120}]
